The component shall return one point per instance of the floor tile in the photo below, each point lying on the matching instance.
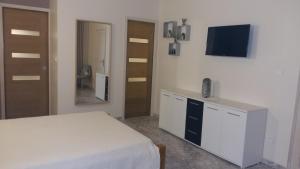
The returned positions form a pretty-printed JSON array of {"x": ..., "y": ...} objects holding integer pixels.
[{"x": 180, "y": 154}]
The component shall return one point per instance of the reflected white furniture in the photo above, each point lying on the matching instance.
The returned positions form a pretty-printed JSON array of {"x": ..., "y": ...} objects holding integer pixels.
[
  {"x": 231, "y": 130},
  {"x": 101, "y": 86}
]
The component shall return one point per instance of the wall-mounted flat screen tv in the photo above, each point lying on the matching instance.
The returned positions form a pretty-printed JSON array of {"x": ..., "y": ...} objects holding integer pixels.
[{"x": 229, "y": 41}]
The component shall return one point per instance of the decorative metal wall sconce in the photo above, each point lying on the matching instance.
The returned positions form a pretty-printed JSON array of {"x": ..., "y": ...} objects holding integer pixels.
[{"x": 178, "y": 33}]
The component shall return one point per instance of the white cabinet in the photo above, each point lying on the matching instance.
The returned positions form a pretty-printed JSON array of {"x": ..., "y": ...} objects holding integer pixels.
[
  {"x": 165, "y": 115},
  {"x": 233, "y": 135},
  {"x": 101, "y": 87},
  {"x": 172, "y": 114},
  {"x": 233, "y": 130},
  {"x": 211, "y": 129},
  {"x": 179, "y": 115}
]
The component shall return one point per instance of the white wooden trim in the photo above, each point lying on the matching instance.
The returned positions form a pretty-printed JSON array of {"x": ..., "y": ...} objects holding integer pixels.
[
  {"x": 24, "y": 7},
  {"x": 2, "y": 97},
  {"x": 51, "y": 71}
]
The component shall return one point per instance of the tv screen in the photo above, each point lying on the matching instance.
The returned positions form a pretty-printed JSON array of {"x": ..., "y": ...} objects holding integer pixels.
[{"x": 228, "y": 41}]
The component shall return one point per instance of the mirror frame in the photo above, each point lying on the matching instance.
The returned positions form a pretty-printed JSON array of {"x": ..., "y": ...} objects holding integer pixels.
[{"x": 76, "y": 55}]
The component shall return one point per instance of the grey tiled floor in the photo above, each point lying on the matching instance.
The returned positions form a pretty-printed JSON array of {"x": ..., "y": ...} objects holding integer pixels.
[{"x": 180, "y": 154}]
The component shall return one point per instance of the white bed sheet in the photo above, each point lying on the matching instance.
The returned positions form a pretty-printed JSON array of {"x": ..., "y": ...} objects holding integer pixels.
[{"x": 75, "y": 141}]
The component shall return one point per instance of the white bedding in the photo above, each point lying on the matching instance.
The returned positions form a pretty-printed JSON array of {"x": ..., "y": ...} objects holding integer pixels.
[{"x": 75, "y": 141}]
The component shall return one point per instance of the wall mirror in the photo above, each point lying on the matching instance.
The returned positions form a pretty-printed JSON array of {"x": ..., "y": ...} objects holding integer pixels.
[{"x": 93, "y": 62}]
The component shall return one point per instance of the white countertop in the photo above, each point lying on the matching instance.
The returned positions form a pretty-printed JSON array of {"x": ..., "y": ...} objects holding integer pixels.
[{"x": 243, "y": 107}]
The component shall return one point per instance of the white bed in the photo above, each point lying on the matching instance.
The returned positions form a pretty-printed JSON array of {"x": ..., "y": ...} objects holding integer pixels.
[{"x": 75, "y": 141}]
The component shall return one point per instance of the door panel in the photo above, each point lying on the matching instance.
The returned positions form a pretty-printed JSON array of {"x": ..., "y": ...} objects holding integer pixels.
[
  {"x": 233, "y": 135},
  {"x": 138, "y": 50},
  {"x": 194, "y": 121},
  {"x": 138, "y": 91},
  {"x": 26, "y": 72},
  {"x": 165, "y": 116},
  {"x": 179, "y": 115},
  {"x": 211, "y": 131},
  {"x": 139, "y": 68}
]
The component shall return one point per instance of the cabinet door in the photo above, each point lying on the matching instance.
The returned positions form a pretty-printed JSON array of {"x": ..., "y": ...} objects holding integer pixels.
[
  {"x": 178, "y": 105},
  {"x": 233, "y": 136},
  {"x": 165, "y": 116},
  {"x": 194, "y": 119},
  {"x": 211, "y": 131}
]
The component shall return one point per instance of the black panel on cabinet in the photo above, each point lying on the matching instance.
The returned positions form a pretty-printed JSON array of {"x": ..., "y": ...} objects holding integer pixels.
[
  {"x": 195, "y": 108},
  {"x": 194, "y": 120}
]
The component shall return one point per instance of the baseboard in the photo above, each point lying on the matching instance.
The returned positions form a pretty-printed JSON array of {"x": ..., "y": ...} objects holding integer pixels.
[{"x": 272, "y": 164}]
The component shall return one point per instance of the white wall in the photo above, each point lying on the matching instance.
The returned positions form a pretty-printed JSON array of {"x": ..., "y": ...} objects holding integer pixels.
[
  {"x": 53, "y": 56},
  {"x": 110, "y": 11},
  {"x": 268, "y": 77}
]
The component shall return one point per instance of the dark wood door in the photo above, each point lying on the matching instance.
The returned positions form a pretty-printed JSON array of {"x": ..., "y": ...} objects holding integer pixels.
[
  {"x": 25, "y": 63},
  {"x": 140, "y": 46}
]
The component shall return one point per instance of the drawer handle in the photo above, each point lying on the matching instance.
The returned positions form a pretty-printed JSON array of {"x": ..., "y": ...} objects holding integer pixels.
[
  {"x": 166, "y": 95},
  {"x": 193, "y": 118},
  {"x": 233, "y": 114},
  {"x": 213, "y": 108},
  {"x": 196, "y": 104},
  {"x": 192, "y": 132},
  {"x": 179, "y": 99}
]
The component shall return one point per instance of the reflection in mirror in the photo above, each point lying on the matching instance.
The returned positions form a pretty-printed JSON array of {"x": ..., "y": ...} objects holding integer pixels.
[{"x": 93, "y": 62}]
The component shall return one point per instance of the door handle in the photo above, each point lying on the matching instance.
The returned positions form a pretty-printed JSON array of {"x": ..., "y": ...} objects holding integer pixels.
[
  {"x": 44, "y": 68},
  {"x": 233, "y": 114},
  {"x": 193, "y": 103},
  {"x": 213, "y": 108},
  {"x": 179, "y": 99},
  {"x": 166, "y": 95},
  {"x": 193, "y": 118},
  {"x": 192, "y": 132}
]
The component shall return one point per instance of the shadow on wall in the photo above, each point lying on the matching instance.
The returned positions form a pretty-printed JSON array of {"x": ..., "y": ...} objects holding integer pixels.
[
  {"x": 294, "y": 156},
  {"x": 32, "y": 3},
  {"x": 271, "y": 137},
  {"x": 216, "y": 88},
  {"x": 252, "y": 48}
]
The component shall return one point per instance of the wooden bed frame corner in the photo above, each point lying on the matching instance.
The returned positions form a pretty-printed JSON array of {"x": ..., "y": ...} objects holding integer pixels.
[{"x": 162, "y": 152}]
